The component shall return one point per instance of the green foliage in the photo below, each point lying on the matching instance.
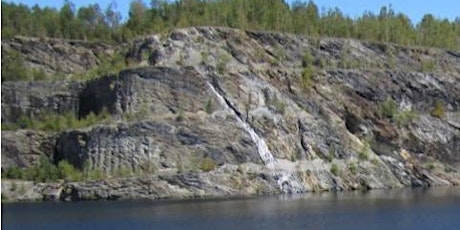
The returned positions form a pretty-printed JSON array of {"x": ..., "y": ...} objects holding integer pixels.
[
  {"x": 331, "y": 154},
  {"x": 405, "y": 116},
  {"x": 148, "y": 167},
  {"x": 388, "y": 108},
  {"x": 353, "y": 168},
  {"x": 14, "y": 172},
  {"x": 13, "y": 68},
  {"x": 438, "y": 110},
  {"x": 45, "y": 171},
  {"x": 222, "y": 62},
  {"x": 334, "y": 169},
  {"x": 345, "y": 58},
  {"x": 68, "y": 172},
  {"x": 280, "y": 53},
  {"x": 364, "y": 152},
  {"x": 307, "y": 77},
  {"x": 278, "y": 105},
  {"x": 108, "y": 66},
  {"x": 208, "y": 106},
  {"x": 427, "y": 66},
  {"x": 58, "y": 122},
  {"x": 122, "y": 171},
  {"x": 91, "y": 173},
  {"x": 207, "y": 164},
  {"x": 93, "y": 23},
  {"x": 307, "y": 59},
  {"x": 204, "y": 57},
  {"x": 140, "y": 114}
]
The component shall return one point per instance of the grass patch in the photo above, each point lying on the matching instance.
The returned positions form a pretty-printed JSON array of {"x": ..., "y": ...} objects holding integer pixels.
[
  {"x": 58, "y": 122},
  {"x": 427, "y": 66},
  {"x": 388, "y": 108},
  {"x": 222, "y": 62},
  {"x": 44, "y": 171},
  {"x": 364, "y": 152},
  {"x": 207, "y": 164},
  {"x": 208, "y": 106},
  {"x": 307, "y": 75},
  {"x": 108, "y": 66},
  {"x": 335, "y": 169},
  {"x": 405, "y": 116},
  {"x": 353, "y": 168},
  {"x": 438, "y": 110}
]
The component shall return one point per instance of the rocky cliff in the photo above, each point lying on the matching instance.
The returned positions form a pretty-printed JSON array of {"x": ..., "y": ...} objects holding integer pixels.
[{"x": 220, "y": 112}]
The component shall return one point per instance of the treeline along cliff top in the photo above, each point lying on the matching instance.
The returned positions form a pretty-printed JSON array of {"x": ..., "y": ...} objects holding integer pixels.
[{"x": 95, "y": 23}]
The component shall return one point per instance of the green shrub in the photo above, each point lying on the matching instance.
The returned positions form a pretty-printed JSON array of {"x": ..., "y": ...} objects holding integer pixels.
[
  {"x": 331, "y": 154},
  {"x": 364, "y": 152},
  {"x": 307, "y": 59},
  {"x": 353, "y": 168},
  {"x": 14, "y": 172},
  {"x": 222, "y": 63},
  {"x": 280, "y": 53},
  {"x": 438, "y": 110},
  {"x": 68, "y": 172},
  {"x": 13, "y": 68},
  {"x": 388, "y": 108},
  {"x": 208, "y": 106},
  {"x": 405, "y": 116},
  {"x": 58, "y": 122},
  {"x": 204, "y": 57},
  {"x": 334, "y": 169},
  {"x": 94, "y": 174},
  {"x": 108, "y": 66},
  {"x": 427, "y": 66},
  {"x": 278, "y": 105},
  {"x": 207, "y": 164},
  {"x": 122, "y": 171},
  {"x": 307, "y": 77},
  {"x": 38, "y": 74},
  {"x": 45, "y": 171}
]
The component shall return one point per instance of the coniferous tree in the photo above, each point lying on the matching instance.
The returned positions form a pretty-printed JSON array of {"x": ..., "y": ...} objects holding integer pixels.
[{"x": 301, "y": 17}]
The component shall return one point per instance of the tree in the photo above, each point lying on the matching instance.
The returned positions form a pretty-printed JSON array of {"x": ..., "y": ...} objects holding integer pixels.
[
  {"x": 66, "y": 20},
  {"x": 137, "y": 17}
]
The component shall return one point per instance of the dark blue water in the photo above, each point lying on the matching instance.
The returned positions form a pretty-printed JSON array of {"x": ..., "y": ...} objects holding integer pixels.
[{"x": 396, "y": 209}]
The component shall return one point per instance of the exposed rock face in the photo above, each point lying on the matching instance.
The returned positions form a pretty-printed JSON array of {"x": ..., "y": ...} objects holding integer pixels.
[
  {"x": 23, "y": 148},
  {"x": 34, "y": 99},
  {"x": 57, "y": 56},
  {"x": 366, "y": 117}
]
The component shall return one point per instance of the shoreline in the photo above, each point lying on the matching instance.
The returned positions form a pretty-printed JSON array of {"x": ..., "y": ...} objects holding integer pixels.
[{"x": 59, "y": 195}]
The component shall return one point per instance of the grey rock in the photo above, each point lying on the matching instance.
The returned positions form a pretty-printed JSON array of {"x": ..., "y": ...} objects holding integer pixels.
[{"x": 167, "y": 119}]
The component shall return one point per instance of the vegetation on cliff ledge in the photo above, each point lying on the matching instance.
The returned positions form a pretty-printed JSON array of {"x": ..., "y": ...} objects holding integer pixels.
[{"x": 94, "y": 23}]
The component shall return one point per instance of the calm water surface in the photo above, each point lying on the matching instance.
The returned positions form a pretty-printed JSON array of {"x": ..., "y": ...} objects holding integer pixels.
[{"x": 395, "y": 209}]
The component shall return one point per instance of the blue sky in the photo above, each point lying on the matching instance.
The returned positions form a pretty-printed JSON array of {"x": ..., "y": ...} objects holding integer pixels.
[{"x": 415, "y": 9}]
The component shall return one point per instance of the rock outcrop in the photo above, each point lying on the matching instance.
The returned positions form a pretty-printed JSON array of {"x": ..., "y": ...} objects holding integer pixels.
[
  {"x": 58, "y": 56},
  {"x": 220, "y": 112}
]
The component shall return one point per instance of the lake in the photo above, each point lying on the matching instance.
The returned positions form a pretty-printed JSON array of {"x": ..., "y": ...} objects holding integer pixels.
[{"x": 437, "y": 208}]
